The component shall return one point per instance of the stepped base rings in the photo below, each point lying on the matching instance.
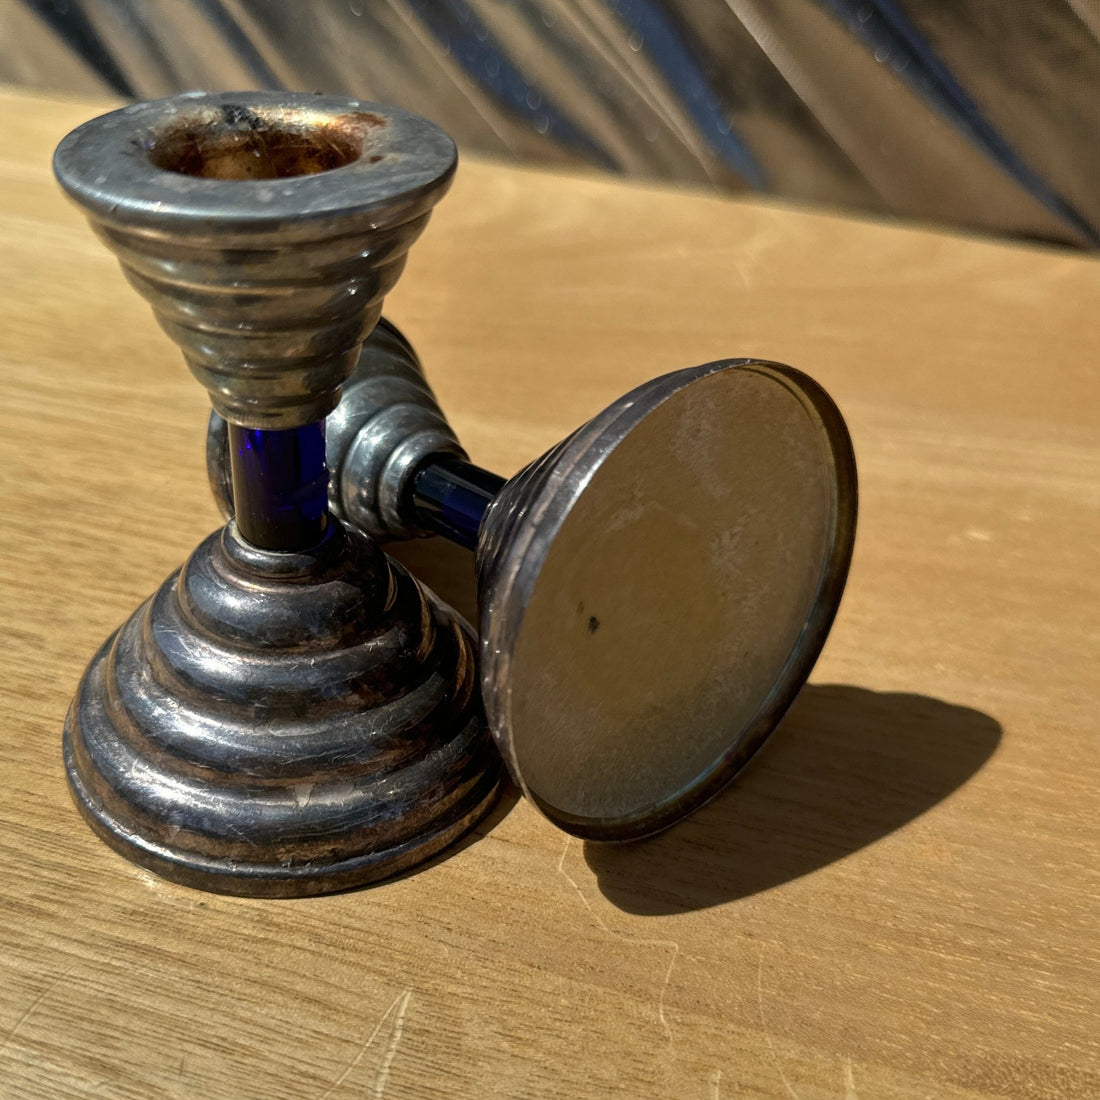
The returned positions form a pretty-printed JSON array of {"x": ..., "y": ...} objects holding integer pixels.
[{"x": 281, "y": 724}]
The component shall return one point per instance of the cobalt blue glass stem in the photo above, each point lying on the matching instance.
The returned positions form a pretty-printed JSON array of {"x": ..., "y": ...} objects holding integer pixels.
[
  {"x": 280, "y": 485},
  {"x": 451, "y": 497}
]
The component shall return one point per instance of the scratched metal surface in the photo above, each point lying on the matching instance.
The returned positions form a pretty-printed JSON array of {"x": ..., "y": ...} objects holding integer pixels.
[{"x": 982, "y": 113}]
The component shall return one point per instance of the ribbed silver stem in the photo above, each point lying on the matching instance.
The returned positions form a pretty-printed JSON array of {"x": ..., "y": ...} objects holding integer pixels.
[{"x": 386, "y": 425}]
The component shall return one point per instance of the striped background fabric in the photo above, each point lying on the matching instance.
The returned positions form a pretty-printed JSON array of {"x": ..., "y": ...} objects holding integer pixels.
[{"x": 979, "y": 113}]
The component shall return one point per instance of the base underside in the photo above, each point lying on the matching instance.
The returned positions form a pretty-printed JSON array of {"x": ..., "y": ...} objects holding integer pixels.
[{"x": 660, "y": 585}]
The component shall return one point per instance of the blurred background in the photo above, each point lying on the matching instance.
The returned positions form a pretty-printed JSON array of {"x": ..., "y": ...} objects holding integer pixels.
[{"x": 980, "y": 113}]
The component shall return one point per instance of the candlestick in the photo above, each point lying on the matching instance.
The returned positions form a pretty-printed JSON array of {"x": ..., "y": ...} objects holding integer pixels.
[{"x": 290, "y": 712}]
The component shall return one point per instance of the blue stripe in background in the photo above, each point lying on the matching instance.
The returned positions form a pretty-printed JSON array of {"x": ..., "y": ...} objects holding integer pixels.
[
  {"x": 886, "y": 30},
  {"x": 664, "y": 46},
  {"x": 469, "y": 42}
]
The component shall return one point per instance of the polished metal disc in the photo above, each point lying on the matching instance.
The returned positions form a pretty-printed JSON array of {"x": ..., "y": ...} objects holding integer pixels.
[{"x": 656, "y": 589}]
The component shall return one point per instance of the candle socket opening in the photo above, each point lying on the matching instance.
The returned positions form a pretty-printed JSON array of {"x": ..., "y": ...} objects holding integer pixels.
[{"x": 244, "y": 143}]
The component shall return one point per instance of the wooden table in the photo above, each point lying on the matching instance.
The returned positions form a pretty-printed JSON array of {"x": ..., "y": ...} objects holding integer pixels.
[{"x": 898, "y": 899}]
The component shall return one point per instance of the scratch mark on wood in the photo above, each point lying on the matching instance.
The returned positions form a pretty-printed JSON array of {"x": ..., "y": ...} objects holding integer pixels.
[
  {"x": 400, "y": 1004},
  {"x": 32, "y": 1007},
  {"x": 716, "y": 1085},
  {"x": 767, "y": 1034},
  {"x": 391, "y": 1048},
  {"x": 671, "y": 944},
  {"x": 849, "y": 1081}
]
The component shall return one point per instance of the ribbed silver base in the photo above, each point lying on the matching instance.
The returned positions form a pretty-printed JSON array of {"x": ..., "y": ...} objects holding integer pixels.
[{"x": 276, "y": 724}]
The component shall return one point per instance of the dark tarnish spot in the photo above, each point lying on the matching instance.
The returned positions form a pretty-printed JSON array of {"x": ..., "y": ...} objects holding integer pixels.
[
  {"x": 238, "y": 116},
  {"x": 361, "y": 118},
  {"x": 593, "y": 624}
]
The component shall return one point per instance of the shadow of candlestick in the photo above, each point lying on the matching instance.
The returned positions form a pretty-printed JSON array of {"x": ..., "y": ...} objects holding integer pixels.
[
  {"x": 844, "y": 768},
  {"x": 447, "y": 569}
]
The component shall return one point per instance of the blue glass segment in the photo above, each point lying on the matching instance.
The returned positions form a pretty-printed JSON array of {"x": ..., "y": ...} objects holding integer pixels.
[
  {"x": 451, "y": 496},
  {"x": 280, "y": 485}
]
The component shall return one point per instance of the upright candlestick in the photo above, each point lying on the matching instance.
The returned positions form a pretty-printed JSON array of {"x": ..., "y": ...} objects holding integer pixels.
[{"x": 291, "y": 712}]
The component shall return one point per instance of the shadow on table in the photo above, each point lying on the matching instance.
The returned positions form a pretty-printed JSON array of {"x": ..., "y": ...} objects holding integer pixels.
[
  {"x": 447, "y": 569},
  {"x": 846, "y": 767}
]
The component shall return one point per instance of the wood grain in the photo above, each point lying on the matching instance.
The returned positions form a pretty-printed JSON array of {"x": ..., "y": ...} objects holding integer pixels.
[{"x": 898, "y": 899}]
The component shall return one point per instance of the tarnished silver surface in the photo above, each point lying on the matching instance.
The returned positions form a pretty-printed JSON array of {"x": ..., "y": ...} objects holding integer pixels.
[
  {"x": 386, "y": 425},
  {"x": 667, "y": 555},
  {"x": 279, "y": 724},
  {"x": 265, "y": 230},
  {"x": 274, "y": 722},
  {"x": 655, "y": 590}
]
